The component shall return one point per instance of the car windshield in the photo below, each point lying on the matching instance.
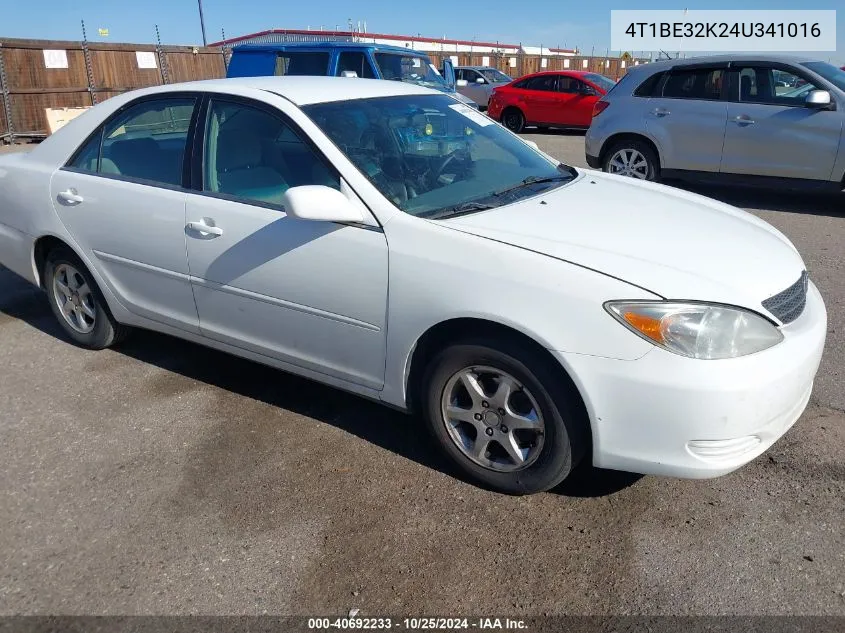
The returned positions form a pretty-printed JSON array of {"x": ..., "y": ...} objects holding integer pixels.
[
  {"x": 605, "y": 83},
  {"x": 495, "y": 76},
  {"x": 834, "y": 75},
  {"x": 410, "y": 69},
  {"x": 433, "y": 157}
]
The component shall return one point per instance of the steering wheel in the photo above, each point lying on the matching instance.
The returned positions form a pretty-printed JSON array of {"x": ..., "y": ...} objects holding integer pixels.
[{"x": 446, "y": 161}]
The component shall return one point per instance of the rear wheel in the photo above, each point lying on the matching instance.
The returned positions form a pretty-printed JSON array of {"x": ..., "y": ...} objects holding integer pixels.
[
  {"x": 502, "y": 416},
  {"x": 632, "y": 158},
  {"x": 513, "y": 119},
  {"x": 77, "y": 303}
]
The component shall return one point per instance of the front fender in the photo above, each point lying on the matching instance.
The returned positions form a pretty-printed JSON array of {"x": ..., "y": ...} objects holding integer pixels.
[{"x": 555, "y": 303}]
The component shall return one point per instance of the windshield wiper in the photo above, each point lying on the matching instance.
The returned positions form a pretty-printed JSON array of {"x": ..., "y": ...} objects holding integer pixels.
[
  {"x": 532, "y": 180},
  {"x": 458, "y": 209}
]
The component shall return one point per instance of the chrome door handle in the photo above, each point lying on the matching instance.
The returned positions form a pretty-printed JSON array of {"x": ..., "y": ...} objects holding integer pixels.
[
  {"x": 744, "y": 119},
  {"x": 70, "y": 196},
  {"x": 204, "y": 229},
  {"x": 660, "y": 112}
]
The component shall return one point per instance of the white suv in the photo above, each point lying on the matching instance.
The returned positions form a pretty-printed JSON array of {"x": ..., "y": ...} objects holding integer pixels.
[{"x": 772, "y": 120}]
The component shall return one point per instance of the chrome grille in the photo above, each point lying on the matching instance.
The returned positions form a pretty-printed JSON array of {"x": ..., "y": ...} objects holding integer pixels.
[{"x": 789, "y": 304}]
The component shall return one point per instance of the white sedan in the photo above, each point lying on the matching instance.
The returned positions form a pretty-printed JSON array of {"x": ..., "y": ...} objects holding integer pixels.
[{"x": 385, "y": 239}]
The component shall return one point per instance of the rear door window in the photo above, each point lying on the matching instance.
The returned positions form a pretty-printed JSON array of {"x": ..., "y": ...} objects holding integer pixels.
[
  {"x": 146, "y": 141},
  {"x": 304, "y": 63},
  {"x": 695, "y": 83},
  {"x": 544, "y": 82}
]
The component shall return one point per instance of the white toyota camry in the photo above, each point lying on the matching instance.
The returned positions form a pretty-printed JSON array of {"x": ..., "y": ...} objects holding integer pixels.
[{"x": 387, "y": 240}]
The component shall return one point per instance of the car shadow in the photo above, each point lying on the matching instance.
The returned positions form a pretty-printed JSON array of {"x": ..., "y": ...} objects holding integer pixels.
[
  {"x": 756, "y": 198},
  {"x": 392, "y": 430},
  {"x": 549, "y": 131}
]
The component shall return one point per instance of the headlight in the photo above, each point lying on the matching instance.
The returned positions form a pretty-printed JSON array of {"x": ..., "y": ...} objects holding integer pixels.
[{"x": 697, "y": 330}]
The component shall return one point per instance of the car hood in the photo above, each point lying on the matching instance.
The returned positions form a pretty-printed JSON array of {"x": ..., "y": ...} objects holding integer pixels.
[{"x": 671, "y": 242}]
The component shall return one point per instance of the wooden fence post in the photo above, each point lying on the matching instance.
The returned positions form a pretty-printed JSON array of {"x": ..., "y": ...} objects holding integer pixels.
[
  {"x": 89, "y": 69},
  {"x": 7, "y": 105}
]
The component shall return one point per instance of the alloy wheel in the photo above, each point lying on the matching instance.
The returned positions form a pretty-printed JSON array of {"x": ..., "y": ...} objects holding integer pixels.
[
  {"x": 74, "y": 298},
  {"x": 492, "y": 418},
  {"x": 629, "y": 162}
]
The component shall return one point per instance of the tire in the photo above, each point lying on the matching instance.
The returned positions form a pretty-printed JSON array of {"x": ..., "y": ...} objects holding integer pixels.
[
  {"x": 637, "y": 153},
  {"x": 548, "y": 457},
  {"x": 89, "y": 323},
  {"x": 513, "y": 119}
]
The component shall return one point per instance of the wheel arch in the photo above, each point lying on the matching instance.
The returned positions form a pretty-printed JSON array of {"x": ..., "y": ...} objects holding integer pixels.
[
  {"x": 41, "y": 248},
  {"x": 629, "y": 136},
  {"x": 509, "y": 107},
  {"x": 439, "y": 336}
]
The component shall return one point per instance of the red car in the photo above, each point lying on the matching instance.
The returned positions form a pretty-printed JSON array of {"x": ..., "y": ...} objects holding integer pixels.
[{"x": 549, "y": 99}]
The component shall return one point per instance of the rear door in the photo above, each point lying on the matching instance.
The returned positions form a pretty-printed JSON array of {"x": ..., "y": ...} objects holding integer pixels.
[
  {"x": 122, "y": 198},
  {"x": 687, "y": 116},
  {"x": 541, "y": 99},
  {"x": 770, "y": 132}
]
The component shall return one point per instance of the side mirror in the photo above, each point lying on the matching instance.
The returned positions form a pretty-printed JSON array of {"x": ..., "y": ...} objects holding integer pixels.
[
  {"x": 460, "y": 83},
  {"x": 480, "y": 80},
  {"x": 348, "y": 73},
  {"x": 819, "y": 99},
  {"x": 321, "y": 204}
]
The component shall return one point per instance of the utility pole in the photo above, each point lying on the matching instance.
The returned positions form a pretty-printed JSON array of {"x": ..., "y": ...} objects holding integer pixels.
[{"x": 202, "y": 24}]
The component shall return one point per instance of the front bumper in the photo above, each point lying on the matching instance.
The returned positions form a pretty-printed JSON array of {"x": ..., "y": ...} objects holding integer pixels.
[{"x": 665, "y": 414}]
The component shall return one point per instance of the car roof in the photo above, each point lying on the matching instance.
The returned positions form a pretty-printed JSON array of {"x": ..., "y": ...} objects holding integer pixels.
[
  {"x": 303, "y": 90},
  {"x": 574, "y": 73},
  {"x": 664, "y": 64},
  {"x": 477, "y": 67},
  {"x": 284, "y": 46}
]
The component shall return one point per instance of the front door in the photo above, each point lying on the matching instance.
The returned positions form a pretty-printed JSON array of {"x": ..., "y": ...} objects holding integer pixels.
[
  {"x": 688, "y": 118},
  {"x": 122, "y": 199},
  {"x": 313, "y": 294},
  {"x": 576, "y": 102},
  {"x": 477, "y": 88},
  {"x": 771, "y": 132}
]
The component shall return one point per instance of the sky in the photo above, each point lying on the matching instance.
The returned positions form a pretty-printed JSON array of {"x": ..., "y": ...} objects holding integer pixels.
[{"x": 549, "y": 23}]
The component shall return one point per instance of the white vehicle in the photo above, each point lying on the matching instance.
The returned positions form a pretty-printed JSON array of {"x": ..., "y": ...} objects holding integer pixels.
[{"x": 384, "y": 239}]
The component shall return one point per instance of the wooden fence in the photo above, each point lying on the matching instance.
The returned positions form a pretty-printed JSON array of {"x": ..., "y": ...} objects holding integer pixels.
[{"x": 40, "y": 74}]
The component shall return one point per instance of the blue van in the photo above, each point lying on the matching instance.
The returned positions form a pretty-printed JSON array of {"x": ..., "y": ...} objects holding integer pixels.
[{"x": 343, "y": 59}]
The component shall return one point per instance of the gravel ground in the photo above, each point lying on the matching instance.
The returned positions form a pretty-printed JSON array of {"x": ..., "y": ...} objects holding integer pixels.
[{"x": 165, "y": 478}]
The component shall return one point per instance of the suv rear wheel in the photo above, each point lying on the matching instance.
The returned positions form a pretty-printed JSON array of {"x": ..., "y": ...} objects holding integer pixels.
[{"x": 632, "y": 158}]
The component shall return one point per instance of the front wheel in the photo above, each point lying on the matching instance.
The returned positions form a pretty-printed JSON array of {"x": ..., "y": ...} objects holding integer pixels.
[
  {"x": 502, "y": 416},
  {"x": 633, "y": 159}
]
